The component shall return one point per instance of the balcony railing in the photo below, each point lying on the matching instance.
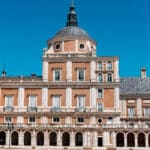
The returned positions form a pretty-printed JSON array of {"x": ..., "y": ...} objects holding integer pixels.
[
  {"x": 80, "y": 109},
  {"x": 8, "y": 109},
  {"x": 31, "y": 109},
  {"x": 56, "y": 109}
]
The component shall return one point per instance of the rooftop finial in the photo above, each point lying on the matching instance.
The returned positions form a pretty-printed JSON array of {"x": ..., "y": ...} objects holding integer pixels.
[{"x": 72, "y": 16}]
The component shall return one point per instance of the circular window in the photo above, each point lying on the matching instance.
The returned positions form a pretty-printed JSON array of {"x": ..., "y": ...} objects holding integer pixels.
[
  {"x": 57, "y": 46},
  {"x": 99, "y": 120},
  {"x": 81, "y": 46}
]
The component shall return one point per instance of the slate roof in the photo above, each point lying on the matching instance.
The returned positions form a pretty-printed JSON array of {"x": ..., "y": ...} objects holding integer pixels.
[{"x": 134, "y": 85}]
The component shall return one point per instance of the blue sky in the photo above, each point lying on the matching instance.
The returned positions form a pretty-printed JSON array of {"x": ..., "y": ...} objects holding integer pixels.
[{"x": 120, "y": 27}]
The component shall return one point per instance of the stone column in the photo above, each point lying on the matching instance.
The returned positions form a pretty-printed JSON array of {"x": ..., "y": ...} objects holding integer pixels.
[
  {"x": 8, "y": 138},
  {"x": 95, "y": 139},
  {"x": 45, "y": 71},
  {"x": 69, "y": 70},
  {"x": 21, "y": 138},
  {"x": 46, "y": 138},
  {"x": 116, "y": 74},
  {"x": 146, "y": 142},
  {"x": 89, "y": 141},
  {"x": 117, "y": 100},
  {"x": 113, "y": 139},
  {"x": 125, "y": 140},
  {"x": 124, "y": 107},
  {"x": 92, "y": 71},
  {"x": 139, "y": 107},
  {"x": 44, "y": 97},
  {"x": 72, "y": 139},
  {"x": 93, "y": 94},
  {"x": 106, "y": 138},
  {"x": 59, "y": 140},
  {"x": 136, "y": 141},
  {"x": 68, "y": 97},
  {"x": 33, "y": 138},
  {"x": 85, "y": 139},
  {"x": 20, "y": 98}
]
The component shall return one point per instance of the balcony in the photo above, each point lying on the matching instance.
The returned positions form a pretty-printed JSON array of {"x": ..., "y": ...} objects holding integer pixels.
[
  {"x": 55, "y": 109},
  {"x": 80, "y": 109},
  {"x": 8, "y": 109},
  {"x": 31, "y": 109}
]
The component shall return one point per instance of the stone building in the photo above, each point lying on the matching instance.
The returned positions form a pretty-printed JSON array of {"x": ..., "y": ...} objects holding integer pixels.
[{"x": 80, "y": 102}]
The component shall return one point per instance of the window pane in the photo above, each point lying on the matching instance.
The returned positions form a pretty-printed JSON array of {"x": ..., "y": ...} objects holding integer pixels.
[
  {"x": 131, "y": 111},
  {"x": 99, "y": 66},
  {"x": 100, "y": 78},
  {"x": 100, "y": 93},
  {"x": 100, "y": 107},
  {"x": 109, "y": 66},
  {"x": 32, "y": 101},
  {"x": 9, "y": 101},
  {"x": 56, "y": 101},
  {"x": 81, "y": 75},
  {"x": 57, "y": 75}
]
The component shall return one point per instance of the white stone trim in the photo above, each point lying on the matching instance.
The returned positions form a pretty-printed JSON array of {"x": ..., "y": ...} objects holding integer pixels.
[
  {"x": 116, "y": 73},
  {"x": 21, "y": 97},
  {"x": 116, "y": 100},
  {"x": 45, "y": 71},
  {"x": 68, "y": 97},
  {"x": 69, "y": 70},
  {"x": 93, "y": 94},
  {"x": 92, "y": 70},
  {"x": 139, "y": 107},
  {"x": 44, "y": 97}
]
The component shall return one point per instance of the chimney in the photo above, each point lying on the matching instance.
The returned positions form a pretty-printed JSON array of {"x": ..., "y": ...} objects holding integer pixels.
[
  {"x": 143, "y": 73},
  {"x": 4, "y": 74}
]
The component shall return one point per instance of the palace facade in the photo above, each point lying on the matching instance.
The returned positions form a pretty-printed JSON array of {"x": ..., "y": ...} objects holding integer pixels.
[{"x": 80, "y": 102}]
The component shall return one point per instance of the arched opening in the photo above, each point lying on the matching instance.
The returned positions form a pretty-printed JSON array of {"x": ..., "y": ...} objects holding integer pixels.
[
  {"x": 40, "y": 138},
  {"x": 130, "y": 139},
  {"x": 100, "y": 77},
  {"x": 2, "y": 138},
  {"x": 14, "y": 138},
  {"x": 79, "y": 139},
  {"x": 120, "y": 139},
  {"x": 66, "y": 139},
  {"x": 141, "y": 140},
  {"x": 109, "y": 77},
  {"x": 53, "y": 139},
  {"x": 27, "y": 138}
]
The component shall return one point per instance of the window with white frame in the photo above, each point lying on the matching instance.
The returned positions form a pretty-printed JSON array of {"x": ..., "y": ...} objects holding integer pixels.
[
  {"x": 131, "y": 112},
  {"x": 80, "y": 120},
  {"x": 8, "y": 119},
  {"x": 8, "y": 101},
  {"x": 99, "y": 107},
  {"x": 100, "y": 93},
  {"x": 81, "y": 76},
  {"x": 56, "y": 103},
  {"x": 31, "y": 119},
  {"x": 32, "y": 106},
  {"x": 109, "y": 77},
  {"x": 100, "y": 77},
  {"x": 57, "y": 74},
  {"x": 109, "y": 120},
  {"x": 80, "y": 103},
  {"x": 146, "y": 111},
  {"x": 109, "y": 66},
  {"x": 99, "y": 66},
  {"x": 56, "y": 120}
]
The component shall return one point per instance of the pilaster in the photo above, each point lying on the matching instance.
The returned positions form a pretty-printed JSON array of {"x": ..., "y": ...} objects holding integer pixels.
[
  {"x": 44, "y": 97},
  {"x": 21, "y": 138},
  {"x": 116, "y": 73},
  {"x": 116, "y": 100},
  {"x": 92, "y": 71},
  {"x": 45, "y": 71},
  {"x": 69, "y": 70},
  {"x": 139, "y": 107},
  {"x": 68, "y": 97},
  {"x": 72, "y": 139}
]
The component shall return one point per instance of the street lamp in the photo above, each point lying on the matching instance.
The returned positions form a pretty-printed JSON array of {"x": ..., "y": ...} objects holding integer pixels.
[{"x": 10, "y": 127}]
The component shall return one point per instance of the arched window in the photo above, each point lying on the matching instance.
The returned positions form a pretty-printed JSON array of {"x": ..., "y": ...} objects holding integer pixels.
[
  {"x": 130, "y": 139},
  {"x": 27, "y": 138},
  {"x": 99, "y": 66},
  {"x": 79, "y": 139},
  {"x": 100, "y": 78},
  {"x": 2, "y": 138},
  {"x": 14, "y": 138},
  {"x": 120, "y": 139},
  {"x": 66, "y": 139},
  {"x": 53, "y": 139},
  {"x": 109, "y": 77},
  {"x": 40, "y": 138},
  {"x": 141, "y": 140}
]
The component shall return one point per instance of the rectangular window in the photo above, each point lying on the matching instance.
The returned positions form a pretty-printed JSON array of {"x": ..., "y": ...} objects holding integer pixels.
[
  {"x": 32, "y": 106},
  {"x": 100, "y": 141},
  {"x": 56, "y": 103},
  {"x": 146, "y": 111},
  {"x": 99, "y": 66},
  {"x": 8, "y": 101},
  {"x": 8, "y": 119},
  {"x": 80, "y": 120},
  {"x": 109, "y": 66},
  {"x": 31, "y": 119},
  {"x": 99, "y": 107},
  {"x": 57, "y": 74},
  {"x": 81, "y": 103},
  {"x": 131, "y": 112},
  {"x": 100, "y": 93},
  {"x": 80, "y": 74},
  {"x": 56, "y": 119}
]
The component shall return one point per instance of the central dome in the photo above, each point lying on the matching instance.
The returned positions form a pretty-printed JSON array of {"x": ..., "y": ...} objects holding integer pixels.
[{"x": 72, "y": 31}]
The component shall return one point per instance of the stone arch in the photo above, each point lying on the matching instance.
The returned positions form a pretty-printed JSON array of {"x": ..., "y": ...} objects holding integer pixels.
[
  {"x": 27, "y": 138},
  {"x": 79, "y": 139},
  {"x": 53, "y": 139},
  {"x": 2, "y": 138},
  {"x": 66, "y": 139},
  {"x": 120, "y": 139},
  {"x": 40, "y": 138},
  {"x": 130, "y": 139},
  {"x": 14, "y": 138},
  {"x": 141, "y": 140}
]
